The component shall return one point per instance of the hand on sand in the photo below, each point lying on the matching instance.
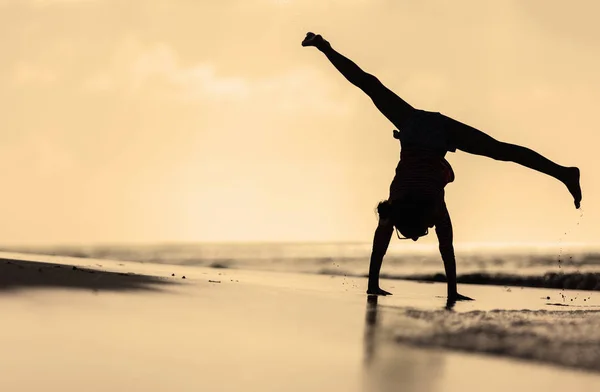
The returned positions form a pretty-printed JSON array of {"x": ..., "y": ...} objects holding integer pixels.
[
  {"x": 315, "y": 40},
  {"x": 460, "y": 297},
  {"x": 452, "y": 299},
  {"x": 378, "y": 291}
]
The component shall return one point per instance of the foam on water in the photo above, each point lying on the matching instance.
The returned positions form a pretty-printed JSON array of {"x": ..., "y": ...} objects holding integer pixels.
[{"x": 567, "y": 338}]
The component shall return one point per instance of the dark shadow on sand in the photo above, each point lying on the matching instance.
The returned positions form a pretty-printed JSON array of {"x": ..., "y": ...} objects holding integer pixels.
[
  {"x": 20, "y": 274},
  {"x": 370, "y": 328},
  {"x": 392, "y": 367}
]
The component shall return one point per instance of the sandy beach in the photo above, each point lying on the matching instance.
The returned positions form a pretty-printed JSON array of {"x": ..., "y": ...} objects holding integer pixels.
[
  {"x": 96, "y": 325},
  {"x": 194, "y": 194}
]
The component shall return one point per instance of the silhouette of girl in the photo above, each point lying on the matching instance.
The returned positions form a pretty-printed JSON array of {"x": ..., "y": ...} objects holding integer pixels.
[{"x": 416, "y": 200}]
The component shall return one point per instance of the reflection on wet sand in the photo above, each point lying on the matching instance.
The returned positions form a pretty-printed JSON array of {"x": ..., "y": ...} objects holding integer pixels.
[{"x": 389, "y": 366}]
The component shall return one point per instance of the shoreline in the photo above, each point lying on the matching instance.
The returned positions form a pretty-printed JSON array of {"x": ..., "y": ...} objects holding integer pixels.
[{"x": 139, "y": 327}]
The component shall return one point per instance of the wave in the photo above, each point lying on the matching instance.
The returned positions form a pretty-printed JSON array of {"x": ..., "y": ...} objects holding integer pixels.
[
  {"x": 579, "y": 272},
  {"x": 567, "y": 281},
  {"x": 202, "y": 254},
  {"x": 551, "y": 280}
]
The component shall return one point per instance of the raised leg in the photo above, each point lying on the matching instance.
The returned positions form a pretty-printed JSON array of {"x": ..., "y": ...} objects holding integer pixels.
[{"x": 473, "y": 141}]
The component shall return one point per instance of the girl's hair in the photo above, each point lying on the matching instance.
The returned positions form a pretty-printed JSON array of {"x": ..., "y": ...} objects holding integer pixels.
[
  {"x": 385, "y": 209},
  {"x": 407, "y": 214}
]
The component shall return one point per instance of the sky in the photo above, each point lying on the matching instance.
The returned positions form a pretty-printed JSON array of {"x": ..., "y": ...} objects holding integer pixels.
[{"x": 197, "y": 120}]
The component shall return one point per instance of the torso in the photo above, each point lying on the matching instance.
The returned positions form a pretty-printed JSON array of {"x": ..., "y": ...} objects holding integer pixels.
[{"x": 421, "y": 172}]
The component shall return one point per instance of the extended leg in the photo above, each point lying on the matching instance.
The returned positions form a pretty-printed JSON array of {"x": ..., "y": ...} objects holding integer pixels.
[{"x": 473, "y": 141}]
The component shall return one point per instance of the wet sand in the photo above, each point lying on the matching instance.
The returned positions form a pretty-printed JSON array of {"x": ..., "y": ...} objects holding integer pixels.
[{"x": 131, "y": 326}]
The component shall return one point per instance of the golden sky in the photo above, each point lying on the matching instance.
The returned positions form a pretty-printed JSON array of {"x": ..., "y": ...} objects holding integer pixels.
[{"x": 197, "y": 120}]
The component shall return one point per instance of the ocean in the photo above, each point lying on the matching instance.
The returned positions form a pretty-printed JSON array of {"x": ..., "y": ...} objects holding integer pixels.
[{"x": 562, "y": 266}]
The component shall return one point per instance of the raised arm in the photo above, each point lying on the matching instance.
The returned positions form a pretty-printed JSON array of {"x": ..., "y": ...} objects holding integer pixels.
[
  {"x": 389, "y": 104},
  {"x": 443, "y": 230},
  {"x": 381, "y": 241}
]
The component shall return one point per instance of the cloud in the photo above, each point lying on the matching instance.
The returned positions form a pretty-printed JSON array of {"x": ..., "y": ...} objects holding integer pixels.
[
  {"x": 37, "y": 158},
  {"x": 28, "y": 73},
  {"x": 45, "y": 3},
  {"x": 100, "y": 82},
  {"x": 197, "y": 82},
  {"x": 157, "y": 72}
]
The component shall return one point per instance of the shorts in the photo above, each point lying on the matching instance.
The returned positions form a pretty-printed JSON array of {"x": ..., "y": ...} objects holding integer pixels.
[{"x": 427, "y": 130}]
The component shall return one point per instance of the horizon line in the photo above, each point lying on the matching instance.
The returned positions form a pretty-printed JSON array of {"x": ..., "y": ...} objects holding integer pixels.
[{"x": 466, "y": 244}]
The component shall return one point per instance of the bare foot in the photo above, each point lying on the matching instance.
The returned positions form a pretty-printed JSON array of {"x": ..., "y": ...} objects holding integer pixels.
[
  {"x": 572, "y": 182},
  {"x": 378, "y": 291},
  {"x": 315, "y": 40}
]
